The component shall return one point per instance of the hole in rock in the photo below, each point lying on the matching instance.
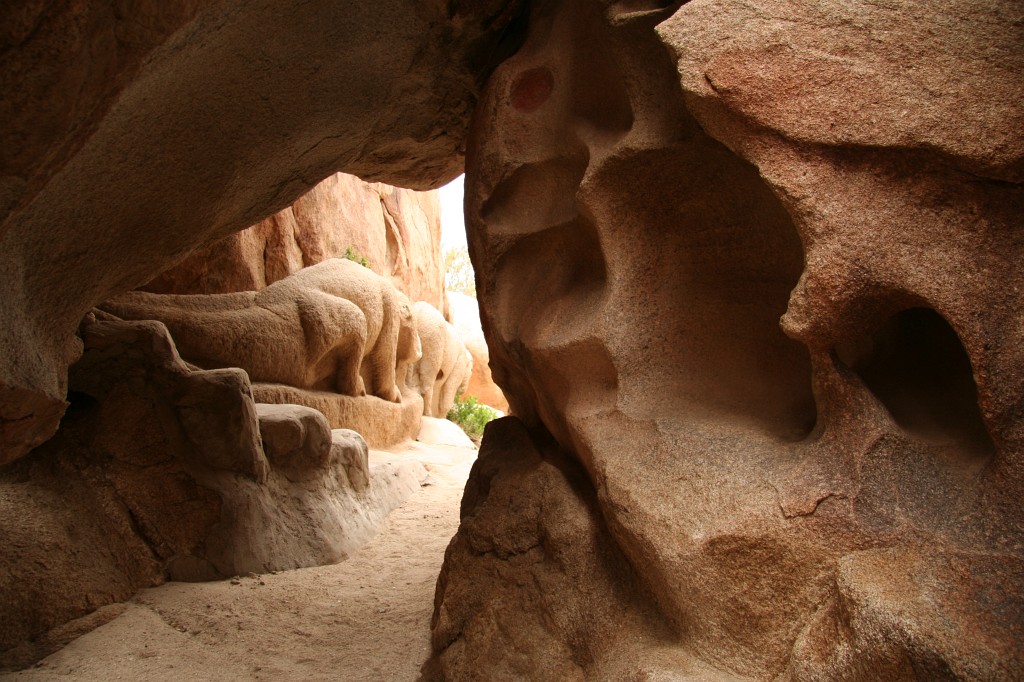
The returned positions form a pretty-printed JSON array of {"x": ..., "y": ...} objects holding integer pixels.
[
  {"x": 628, "y": 7},
  {"x": 917, "y": 367},
  {"x": 715, "y": 263},
  {"x": 459, "y": 276},
  {"x": 79, "y": 404}
]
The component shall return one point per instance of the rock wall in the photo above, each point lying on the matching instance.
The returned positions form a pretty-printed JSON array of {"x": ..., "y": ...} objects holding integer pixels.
[
  {"x": 651, "y": 188},
  {"x": 398, "y": 232}
]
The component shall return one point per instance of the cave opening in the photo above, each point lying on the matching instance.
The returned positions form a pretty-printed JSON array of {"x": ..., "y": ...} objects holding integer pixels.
[{"x": 917, "y": 367}]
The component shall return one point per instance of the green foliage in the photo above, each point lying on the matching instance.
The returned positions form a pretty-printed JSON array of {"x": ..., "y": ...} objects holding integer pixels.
[
  {"x": 458, "y": 272},
  {"x": 471, "y": 415},
  {"x": 354, "y": 256}
]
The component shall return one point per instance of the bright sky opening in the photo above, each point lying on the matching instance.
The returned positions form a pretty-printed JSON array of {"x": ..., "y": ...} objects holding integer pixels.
[{"x": 453, "y": 226}]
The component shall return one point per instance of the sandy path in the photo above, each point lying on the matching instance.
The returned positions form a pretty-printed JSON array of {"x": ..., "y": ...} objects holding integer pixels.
[{"x": 367, "y": 618}]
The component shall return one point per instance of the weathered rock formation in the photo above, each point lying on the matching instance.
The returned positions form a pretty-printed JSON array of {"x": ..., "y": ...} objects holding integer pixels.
[
  {"x": 326, "y": 327},
  {"x": 134, "y": 133},
  {"x": 397, "y": 231},
  {"x": 689, "y": 489},
  {"x": 334, "y": 337},
  {"x": 696, "y": 491},
  {"x": 161, "y": 471},
  {"x": 446, "y": 365},
  {"x": 465, "y": 317}
]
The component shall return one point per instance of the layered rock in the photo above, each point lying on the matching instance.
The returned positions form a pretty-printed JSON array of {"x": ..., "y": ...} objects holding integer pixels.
[
  {"x": 186, "y": 124},
  {"x": 465, "y": 317},
  {"x": 397, "y": 231},
  {"x": 446, "y": 365},
  {"x": 835, "y": 497},
  {"x": 161, "y": 471}
]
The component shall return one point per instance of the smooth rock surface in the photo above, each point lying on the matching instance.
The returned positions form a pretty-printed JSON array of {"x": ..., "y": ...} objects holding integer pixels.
[{"x": 435, "y": 431}]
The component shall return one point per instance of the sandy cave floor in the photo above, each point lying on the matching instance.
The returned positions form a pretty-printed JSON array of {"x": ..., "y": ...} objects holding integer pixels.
[{"x": 367, "y": 618}]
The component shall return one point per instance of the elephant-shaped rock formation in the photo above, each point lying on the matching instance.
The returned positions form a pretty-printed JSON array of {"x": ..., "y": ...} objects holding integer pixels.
[
  {"x": 324, "y": 328},
  {"x": 446, "y": 365},
  {"x": 323, "y": 337}
]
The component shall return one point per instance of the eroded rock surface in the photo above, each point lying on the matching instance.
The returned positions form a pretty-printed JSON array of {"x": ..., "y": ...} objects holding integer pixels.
[
  {"x": 135, "y": 133},
  {"x": 334, "y": 326},
  {"x": 397, "y": 231},
  {"x": 650, "y": 188},
  {"x": 161, "y": 471}
]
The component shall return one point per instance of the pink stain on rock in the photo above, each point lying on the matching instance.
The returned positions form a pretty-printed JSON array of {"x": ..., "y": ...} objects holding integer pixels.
[{"x": 532, "y": 88}]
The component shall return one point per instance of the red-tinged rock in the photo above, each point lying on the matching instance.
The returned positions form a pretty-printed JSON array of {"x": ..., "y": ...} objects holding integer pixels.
[
  {"x": 850, "y": 169},
  {"x": 396, "y": 232}
]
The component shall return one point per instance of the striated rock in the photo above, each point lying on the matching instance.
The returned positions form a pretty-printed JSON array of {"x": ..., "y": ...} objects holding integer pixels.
[
  {"x": 336, "y": 326},
  {"x": 446, "y": 365},
  {"x": 137, "y": 487},
  {"x": 398, "y": 232},
  {"x": 835, "y": 497},
  {"x": 186, "y": 124},
  {"x": 465, "y": 317}
]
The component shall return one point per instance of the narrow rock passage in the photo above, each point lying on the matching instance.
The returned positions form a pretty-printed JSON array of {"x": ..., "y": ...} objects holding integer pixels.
[{"x": 367, "y": 618}]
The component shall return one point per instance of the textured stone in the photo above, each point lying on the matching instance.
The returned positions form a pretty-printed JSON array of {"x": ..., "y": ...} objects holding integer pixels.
[
  {"x": 185, "y": 124},
  {"x": 802, "y": 500},
  {"x": 580, "y": 613},
  {"x": 296, "y": 439},
  {"x": 139, "y": 486},
  {"x": 336, "y": 326},
  {"x": 381, "y": 422},
  {"x": 398, "y": 232},
  {"x": 446, "y": 365}
]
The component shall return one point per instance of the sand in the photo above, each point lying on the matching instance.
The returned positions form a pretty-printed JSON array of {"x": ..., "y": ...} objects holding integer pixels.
[{"x": 367, "y": 618}]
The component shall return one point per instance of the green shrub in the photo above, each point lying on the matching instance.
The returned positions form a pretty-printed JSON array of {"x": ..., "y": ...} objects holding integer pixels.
[
  {"x": 354, "y": 256},
  {"x": 471, "y": 415}
]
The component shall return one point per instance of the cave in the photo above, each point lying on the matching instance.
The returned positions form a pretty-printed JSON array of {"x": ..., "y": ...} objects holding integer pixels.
[
  {"x": 746, "y": 291},
  {"x": 916, "y": 366}
]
